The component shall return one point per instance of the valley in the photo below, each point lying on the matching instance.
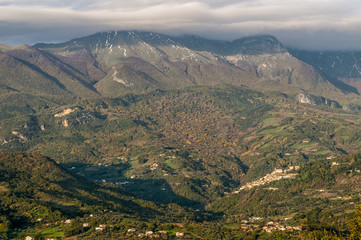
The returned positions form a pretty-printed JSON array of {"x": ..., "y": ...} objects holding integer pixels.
[{"x": 138, "y": 130}]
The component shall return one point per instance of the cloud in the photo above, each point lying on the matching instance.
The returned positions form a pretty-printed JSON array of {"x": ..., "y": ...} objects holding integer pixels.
[{"x": 297, "y": 23}]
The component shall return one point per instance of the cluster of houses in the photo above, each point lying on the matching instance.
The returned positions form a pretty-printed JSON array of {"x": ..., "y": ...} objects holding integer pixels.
[
  {"x": 351, "y": 171},
  {"x": 131, "y": 231},
  {"x": 150, "y": 234},
  {"x": 271, "y": 227},
  {"x": 154, "y": 166},
  {"x": 33, "y": 238},
  {"x": 276, "y": 175},
  {"x": 101, "y": 227},
  {"x": 250, "y": 225}
]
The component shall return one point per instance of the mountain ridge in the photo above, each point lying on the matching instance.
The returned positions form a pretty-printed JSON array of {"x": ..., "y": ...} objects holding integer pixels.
[
  {"x": 114, "y": 63},
  {"x": 265, "y": 43},
  {"x": 185, "y": 60}
]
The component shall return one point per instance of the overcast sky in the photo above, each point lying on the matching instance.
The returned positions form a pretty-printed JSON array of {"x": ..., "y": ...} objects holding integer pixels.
[{"x": 306, "y": 24}]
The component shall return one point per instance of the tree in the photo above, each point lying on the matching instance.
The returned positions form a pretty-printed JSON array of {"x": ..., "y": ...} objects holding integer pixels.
[
  {"x": 354, "y": 224},
  {"x": 4, "y": 224}
]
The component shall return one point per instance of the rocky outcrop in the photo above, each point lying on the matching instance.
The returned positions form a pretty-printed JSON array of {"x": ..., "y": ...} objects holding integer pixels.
[{"x": 316, "y": 100}]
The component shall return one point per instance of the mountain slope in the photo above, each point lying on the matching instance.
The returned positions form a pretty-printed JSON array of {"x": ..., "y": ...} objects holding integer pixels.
[
  {"x": 142, "y": 61},
  {"x": 191, "y": 134},
  {"x": 342, "y": 69},
  {"x": 318, "y": 192},
  {"x": 195, "y": 143},
  {"x": 35, "y": 178},
  {"x": 50, "y": 66},
  {"x": 36, "y": 190},
  {"x": 22, "y": 77}
]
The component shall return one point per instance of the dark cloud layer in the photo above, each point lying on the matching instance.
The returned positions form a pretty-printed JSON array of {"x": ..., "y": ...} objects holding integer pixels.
[{"x": 322, "y": 24}]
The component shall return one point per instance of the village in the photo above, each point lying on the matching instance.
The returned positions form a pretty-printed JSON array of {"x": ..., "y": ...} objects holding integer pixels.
[
  {"x": 133, "y": 233},
  {"x": 276, "y": 175},
  {"x": 255, "y": 223},
  {"x": 150, "y": 234},
  {"x": 249, "y": 225}
]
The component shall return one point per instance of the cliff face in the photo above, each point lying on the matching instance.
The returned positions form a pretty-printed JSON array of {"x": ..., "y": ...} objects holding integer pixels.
[{"x": 314, "y": 100}]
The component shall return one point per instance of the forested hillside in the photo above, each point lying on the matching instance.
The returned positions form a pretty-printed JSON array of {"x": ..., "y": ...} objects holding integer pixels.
[{"x": 121, "y": 133}]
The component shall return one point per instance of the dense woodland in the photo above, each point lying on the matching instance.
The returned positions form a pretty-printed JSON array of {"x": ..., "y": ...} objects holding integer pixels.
[{"x": 173, "y": 161}]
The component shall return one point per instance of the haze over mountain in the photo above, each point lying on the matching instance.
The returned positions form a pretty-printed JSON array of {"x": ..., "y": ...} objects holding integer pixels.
[{"x": 321, "y": 25}]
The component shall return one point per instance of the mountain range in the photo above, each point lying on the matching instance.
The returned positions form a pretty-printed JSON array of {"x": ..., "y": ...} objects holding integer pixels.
[{"x": 111, "y": 64}]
